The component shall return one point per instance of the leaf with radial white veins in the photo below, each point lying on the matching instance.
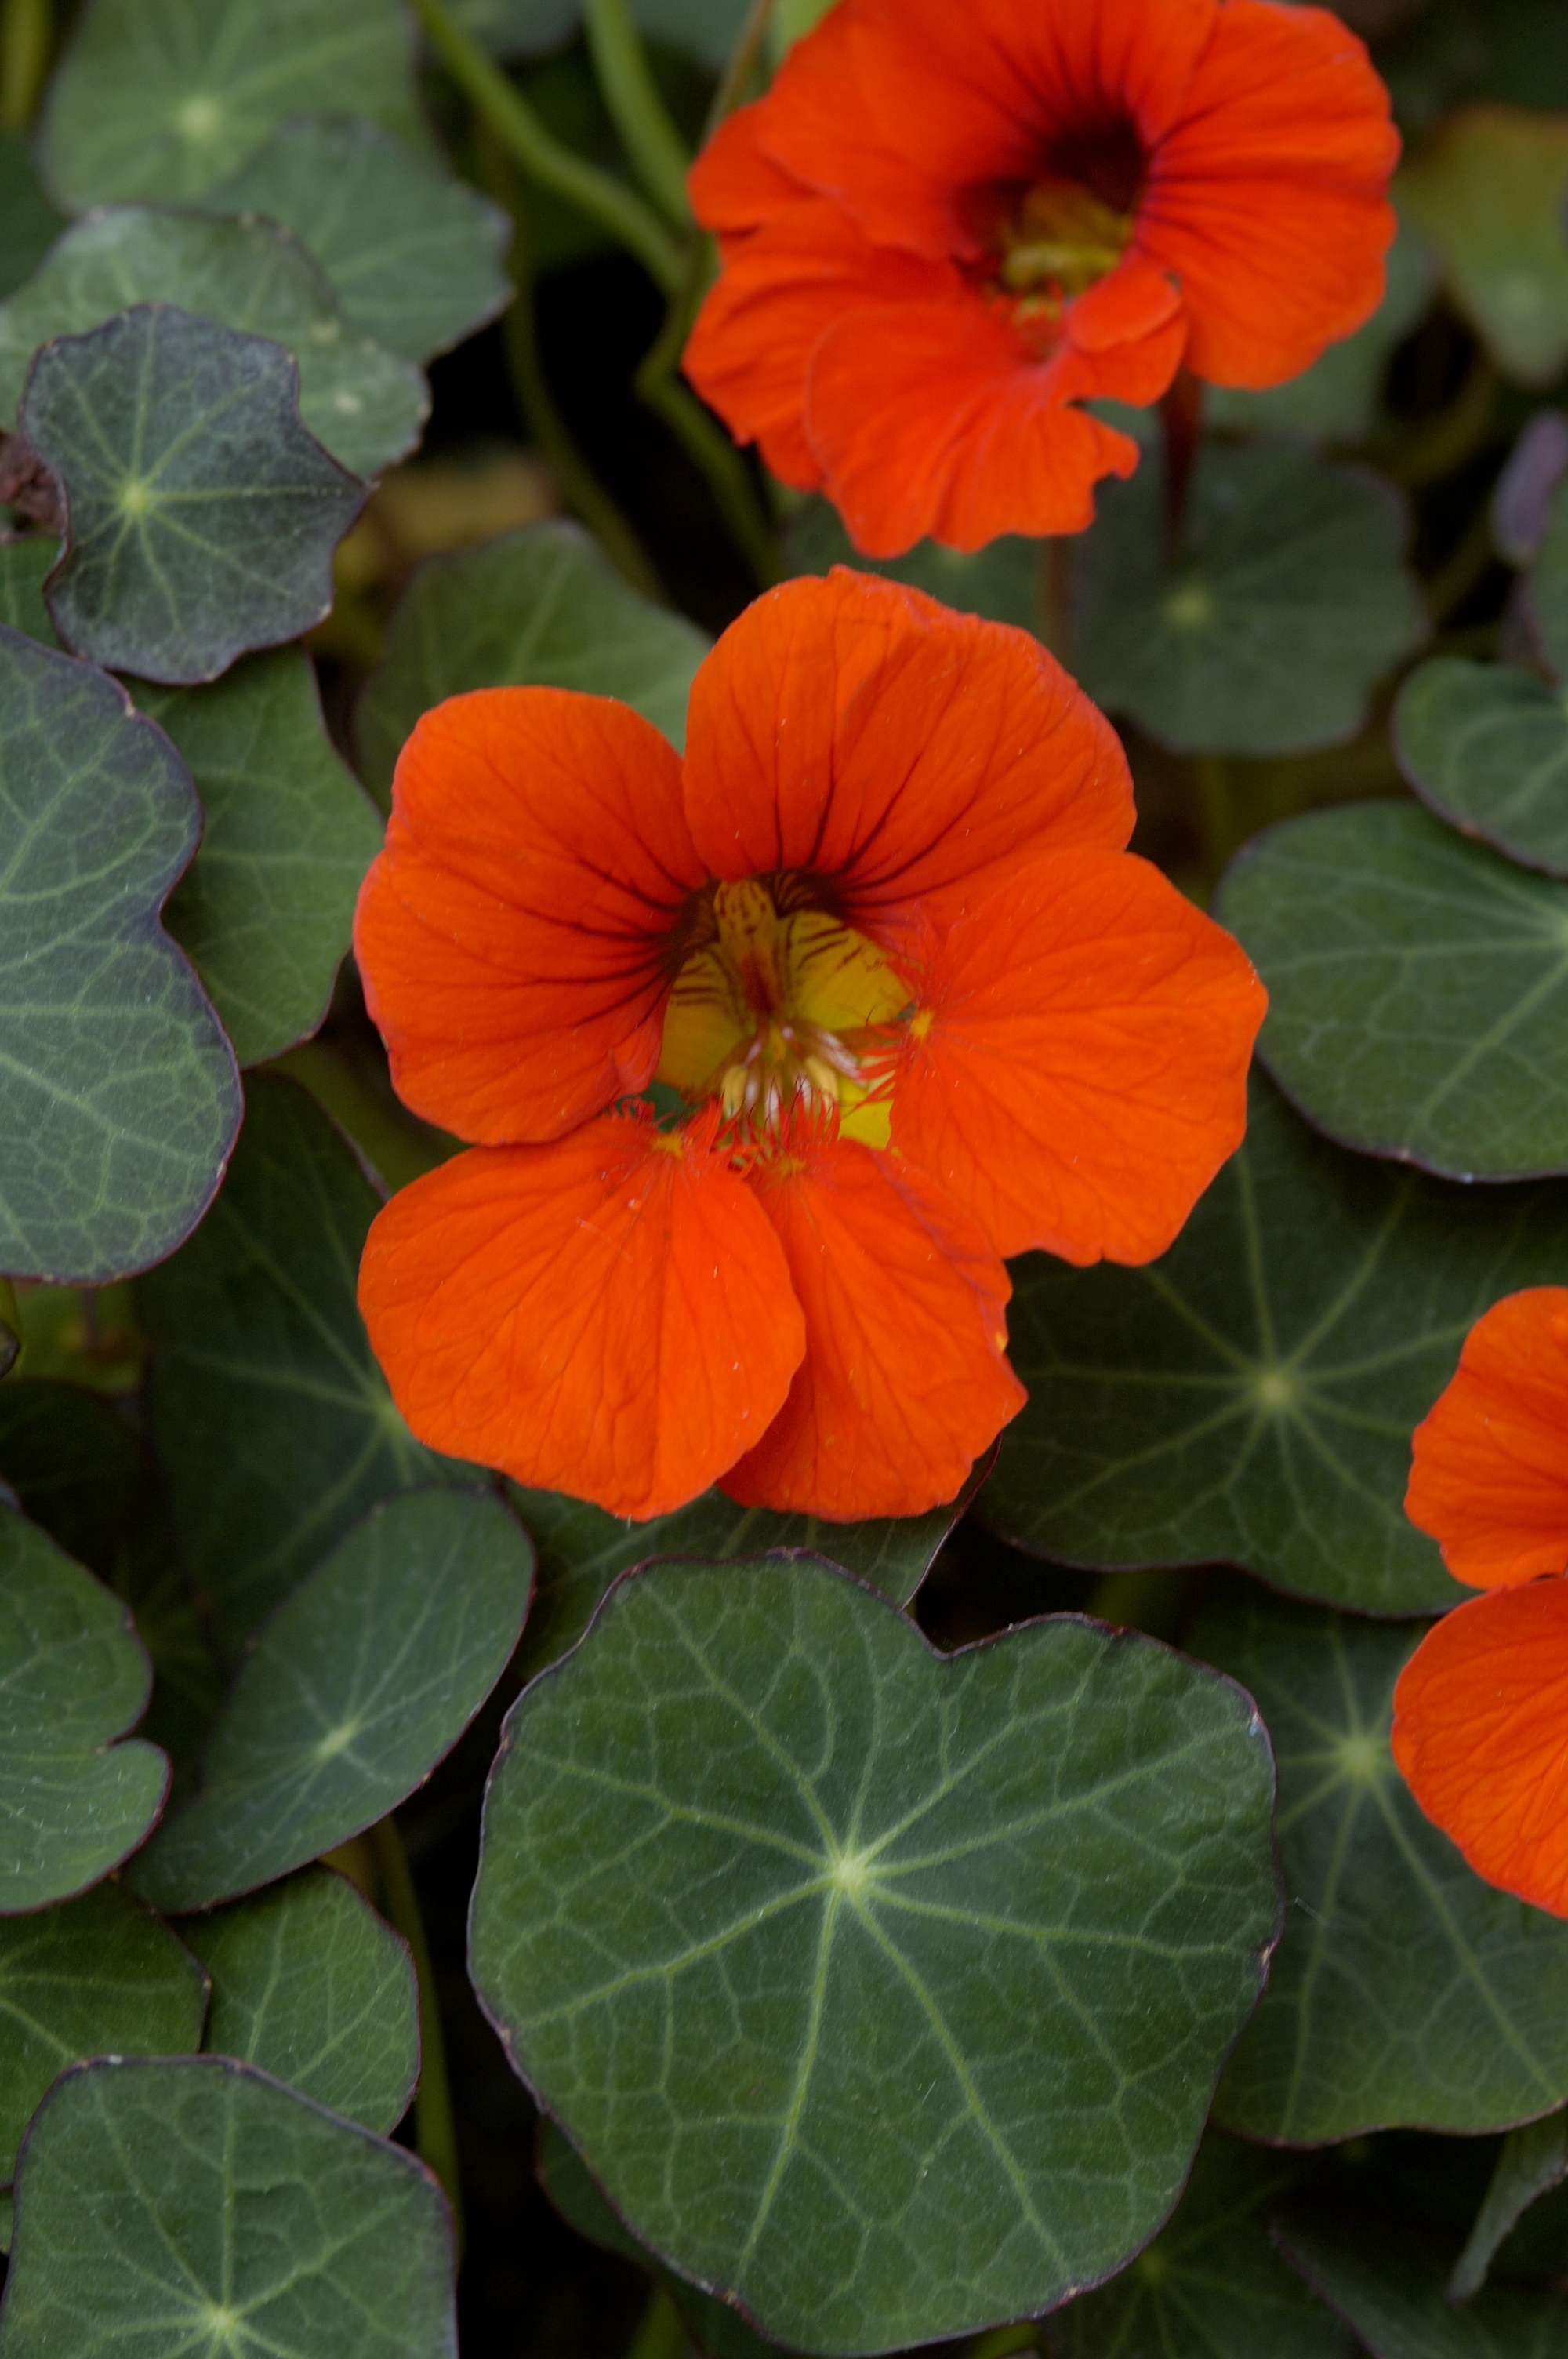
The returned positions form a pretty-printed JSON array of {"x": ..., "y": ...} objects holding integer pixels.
[
  {"x": 1387, "y": 2282},
  {"x": 308, "y": 1983},
  {"x": 159, "y": 99},
  {"x": 541, "y": 607},
  {"x": 201, "y": 515},
  {"x": 1251, "y": 1397},
  {"x": 881, "y": 1991},
  {"x": 1489, "y": 187},
  {"x": 1418, "y": 988},
  {"x": 266, "y": 909},
  {"x": 119, "y": 1100},
  {"x": 1211, "y": 2285},
  {"x": 267, "y": 1407},
  {"x": 99, "y": 1976},
  {"x": 73, "y": 1464},
  {"x": 1406, "y": 1991},
  {"x": 1485, "y": 748},
  {"x": 1286, "y": 602},
  {"x": 73, "y": 1677},
  {"x": 244, "y": 2220},
  {"x": 417, "y": 259},
  {"x": 362, "y": 1681},
  {"x": 582, "y": 1551}
]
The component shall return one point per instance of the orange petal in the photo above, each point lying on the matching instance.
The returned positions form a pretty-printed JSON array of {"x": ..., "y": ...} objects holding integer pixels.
[
  {"x": 515, "y": 935},
  {"x": 1481, "y": 1733},
  {"x": 1076, "y": 1072},
  {"x": 903, "y": 1381},
  {"x": 609, "y": 1316},
  {"x": 1489, "y": 1479},
  {"x": 906, "y": 755},
  {"x": 735, "y": 184}
]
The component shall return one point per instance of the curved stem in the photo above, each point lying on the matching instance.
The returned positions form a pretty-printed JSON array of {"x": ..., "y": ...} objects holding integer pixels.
[
  {"x": 617, "y": 209},
  {"x": 24, "y": 33},
  {"x": 651, "y": 140},
  {"x": 435, "y": 2131},
  {"x": 10, "y": 1326},
  {"x": 744, "y": 58},
  {"x": 660, "y": 2331}
]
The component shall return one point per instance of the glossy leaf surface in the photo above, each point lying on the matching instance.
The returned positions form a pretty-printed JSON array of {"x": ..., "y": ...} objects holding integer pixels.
[
  {"x": 827, "y": 1952},
  {"x": 310, "y": 1986},
  {"x": 360, "y": 1682},
  {"x": 74, "y": 1465},
  {"x": 266, "y": 908},
  {"x": 1486, "y": 747},
  {"x": 73, "y": 1677},
  {"x": 1418, "y": 988},
  {"x": 1405, "y": 1991},
  {"x": 1251, "y": 1397},
  {"x": 99, "y": 1976},
  {"x": 244, "y": 2218},
  {"x": 1387, "y": 2281},
  {"x": 270, "y": 1416},
  {"x": 201, "y": 517},
  {"x": 537, "y": 608},
  {"x": 118, "y": 1096},
  {"x": 1267, "y": 633}
]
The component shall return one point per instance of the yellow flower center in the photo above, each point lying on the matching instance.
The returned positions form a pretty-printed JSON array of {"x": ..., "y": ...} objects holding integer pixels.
[
  {"x": 774, "y": 1009},
  {"x": 1060, "y": 240}
]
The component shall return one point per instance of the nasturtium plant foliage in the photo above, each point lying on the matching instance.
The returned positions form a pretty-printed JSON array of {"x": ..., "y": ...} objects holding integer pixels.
[{"x": 783, "y": 1178}]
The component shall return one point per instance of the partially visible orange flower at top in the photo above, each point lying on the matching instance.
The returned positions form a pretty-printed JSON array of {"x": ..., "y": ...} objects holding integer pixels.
[
  {"x": 951, "y": 222},
  {"x": 914, "y": 1004},
  {"x": 1481, "y": 1707}
]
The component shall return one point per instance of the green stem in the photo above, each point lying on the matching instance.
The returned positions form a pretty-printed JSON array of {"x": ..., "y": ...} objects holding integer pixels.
[
  {"x": 1455, "y": 436},
  {"x": 739, "y": 74},
  {"x": 10, "y": 1327},
  {"x": 1003, "y": 2341},
  {"x": 660, "y": 2331},
  {"x": 617, "y": 209},
  {"x": 729, "y": 478},
  {"x": 1462, "y": 569},
  {"x": 1222, "y": 830},
  {"x": 435, "y": 2132},
  {"x": 24, "y": 35},
  {"x": 656, "y": 147}
]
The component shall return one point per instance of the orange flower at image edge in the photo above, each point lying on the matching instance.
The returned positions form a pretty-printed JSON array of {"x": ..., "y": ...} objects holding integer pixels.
[
  {"x": 1481, "y": 1707},
  {"x": 946, "y": 226},
  {"x": 880, "y": 937}
]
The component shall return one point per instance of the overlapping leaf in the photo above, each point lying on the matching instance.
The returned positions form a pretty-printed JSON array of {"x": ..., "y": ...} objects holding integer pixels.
[
  {"x": 72, "y": 1463},
  {"x": 201, "y": 517},
  {"x": 1533, "y": 2159},
  {"x": 1418, "y": 988},
  {"x": 1490, "y": 187},
  {"x": 1001, "y": 582},
  {"x": 1487, "y": 748},
  {"x": 883, "y": 1990},
  {"x": 309, "y": 1984},
  {"x": 1387, "y": 2282},
  {"x": 118, "y": 1096},
  {"x": 360, "y": 1682},
  {"x": 1405, "y": 1990},
  {"x": 25, "y": 566}
]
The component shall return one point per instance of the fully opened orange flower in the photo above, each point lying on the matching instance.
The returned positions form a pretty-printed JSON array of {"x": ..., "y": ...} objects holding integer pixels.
[
  {"x": 951, "y": 221},
  {"x": 1481, "y": 1709},
  {"x": 879, "y": 937}
]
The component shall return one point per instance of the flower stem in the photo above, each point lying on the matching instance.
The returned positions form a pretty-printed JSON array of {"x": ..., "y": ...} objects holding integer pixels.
[
  {"x": 10, "y": 1326},
  {"x": 1003, "y": 2341},
  {"x": 737, "y": 78},
  {"x": 1180, "y": 415},
  {"x": 435, "y": 2132},
  {"x": 617, "y": 209},
  {"x": 25, "y": 32},
  {"x": 651, "y": 140},
  {"x": 660, "y": 2331}
]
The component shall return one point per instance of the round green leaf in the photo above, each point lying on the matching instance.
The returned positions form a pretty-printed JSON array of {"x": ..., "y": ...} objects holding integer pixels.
[
  {"x": 118, "y": 1096},
  {"x": 309, "y": 1984},
  {"x": 1387, "y": 2282},
  {"x": 100, "y": 1976},
  {"x": 537, "y": 608},
  {"x": 161, "y": 98},
  {"x": 268, "y": 1412},
  {"x": 1418, "y": 988},
  {"x": 74, "y": 1677},
  {"x": 1486, "y": 747},
  {"x": 1405, "y": 1991},
  {"x": 1251, "y": 1397},
  {"x": 1211, "y": 2286},
  {"x": 72, "y": 1463},
  {"x": 363, "y": 404},
  {"x": 196, "y": 2207},
  {"x": 1490, "y": 186},
  {"x": 883, "y": 1990},
  {"x": 266, "y": 908},
  {"x": 1267, "y": 631},
  {"x": 415, "y": 258},
  {"x": 363, "y": 1680},
  {"x": 201, "y": 516}
]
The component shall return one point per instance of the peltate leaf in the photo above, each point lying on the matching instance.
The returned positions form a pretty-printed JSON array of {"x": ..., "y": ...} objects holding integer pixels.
[
  {"x": 309, "y": 1984},
  {"x": 1387, "y": 2282},
  {"x": 1418, "y": 988},
  {"x": 72, "y": 1463},
  {"x": 118, "y": 1096},
  {"x": 244, "y": 2218},
  {"x": 201, "y": 516},
  {"x": 1489, "y": 187},
  {"x": 1486, "y": 747},
  {"x": 1405, "y": 1991},
  {"x": 836, "y": 1960},
  {"x": 360, "y": 1682},
  {"x": 73, "y": 1677}
]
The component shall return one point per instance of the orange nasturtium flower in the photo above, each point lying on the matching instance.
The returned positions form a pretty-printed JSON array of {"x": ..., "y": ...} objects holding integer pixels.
[
  {"x": 1481, "y": 1707},
  {"x": 879, "y": 936},
  {"x": 950, "y": 222}
]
